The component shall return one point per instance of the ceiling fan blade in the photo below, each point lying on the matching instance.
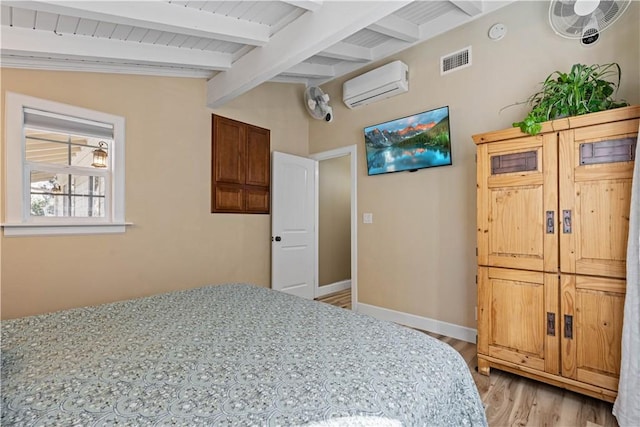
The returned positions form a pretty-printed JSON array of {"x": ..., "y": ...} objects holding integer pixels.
[
  {"x": 311, "y": 103},
  {"x": 609, "y": 10},
  {"x": 563, "y": 8},
  {"x": 577, "y": 26}
]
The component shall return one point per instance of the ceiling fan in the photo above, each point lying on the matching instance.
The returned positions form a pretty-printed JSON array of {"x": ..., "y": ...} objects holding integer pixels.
[{"x": 584, "y": 19}]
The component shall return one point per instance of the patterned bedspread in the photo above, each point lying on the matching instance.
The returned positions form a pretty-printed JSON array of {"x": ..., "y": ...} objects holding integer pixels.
[{"x": 227, "y": 355}]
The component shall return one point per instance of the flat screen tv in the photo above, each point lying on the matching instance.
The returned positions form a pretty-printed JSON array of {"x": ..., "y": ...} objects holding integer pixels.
[{"x": 409, "y": 143}]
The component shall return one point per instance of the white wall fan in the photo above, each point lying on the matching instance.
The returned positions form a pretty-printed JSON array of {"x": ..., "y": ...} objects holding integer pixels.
[
  {"x": 317, "y": 103},
  {"x": 584, "y": 19}
]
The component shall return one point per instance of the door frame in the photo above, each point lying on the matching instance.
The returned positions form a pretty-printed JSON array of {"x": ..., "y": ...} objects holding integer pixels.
[{"x": 350, "y": 150}]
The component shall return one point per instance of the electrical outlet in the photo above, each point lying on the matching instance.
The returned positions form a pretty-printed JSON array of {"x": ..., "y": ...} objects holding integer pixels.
[{"x": 367, "y": 218}]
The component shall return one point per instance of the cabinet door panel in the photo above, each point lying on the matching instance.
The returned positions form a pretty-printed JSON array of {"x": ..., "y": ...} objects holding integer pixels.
[
  {"x": 229, "y": 150},
  {"x": 516, "y": 316},
  {"x": 598, "y": 198},
  {"x": 258, "y": 156},
  {"x": 592, "y": 352},
  {"x": 515, "y": 227},
  {"x": 517, "y": 201},
  {"x": 603, "y": 210},
  {"x": 513, "y": 318},
  {"x": 228, "y": 198},
  {"x": 257, "y": 200}
]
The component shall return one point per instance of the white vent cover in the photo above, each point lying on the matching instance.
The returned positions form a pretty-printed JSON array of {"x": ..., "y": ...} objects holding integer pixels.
[{"x": 455, "y": 61}]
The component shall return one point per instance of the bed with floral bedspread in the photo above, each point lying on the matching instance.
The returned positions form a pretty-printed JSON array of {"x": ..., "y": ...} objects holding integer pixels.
[{"x": 232, "y": 354}]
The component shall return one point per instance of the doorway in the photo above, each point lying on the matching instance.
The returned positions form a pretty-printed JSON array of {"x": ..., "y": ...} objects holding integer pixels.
[{"x": 336, "y": 229}]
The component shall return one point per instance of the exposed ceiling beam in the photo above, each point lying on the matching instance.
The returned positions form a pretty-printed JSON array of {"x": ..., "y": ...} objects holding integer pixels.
[
  {"x": 290, "y": 79},
  {"x": 311, "y": 71},
  {"x": 65, "y": 64},
  {"x": 398, "y": 28},
  {"x": 157, "y": 15},
  {"x": 303, "y": 38},
  {"x": 470, "y": 7},
  {"x": 28, "y": 42},
  {"x": 310, "y": 5},
  {"x": 347, "y": 52}
]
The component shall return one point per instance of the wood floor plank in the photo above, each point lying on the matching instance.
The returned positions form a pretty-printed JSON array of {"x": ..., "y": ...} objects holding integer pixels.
[
  {"x": 511, "y": 400},
  {"x": 499, "y": 400},
  {"x": 570, "y": 410},
  {"x": 339, "y": 299},
  {"x": 522, "y": 404},
  {"x": 546, "y": 407}
]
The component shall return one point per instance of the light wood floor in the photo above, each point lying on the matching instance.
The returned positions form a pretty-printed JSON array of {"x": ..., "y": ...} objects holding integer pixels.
[
  {"x": 511, "y": 400},
  {"x": 340, "y": 299}
]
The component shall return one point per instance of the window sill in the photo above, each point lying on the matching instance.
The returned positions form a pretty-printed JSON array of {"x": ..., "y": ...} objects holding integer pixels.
[{"x": 15, "y": 230}]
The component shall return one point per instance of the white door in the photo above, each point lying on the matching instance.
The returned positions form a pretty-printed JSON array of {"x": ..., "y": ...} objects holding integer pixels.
[{"x": 292, "y": 224}]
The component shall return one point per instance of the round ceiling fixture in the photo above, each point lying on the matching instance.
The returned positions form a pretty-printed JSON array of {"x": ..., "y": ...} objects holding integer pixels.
[{"x": 497, "y": 31}]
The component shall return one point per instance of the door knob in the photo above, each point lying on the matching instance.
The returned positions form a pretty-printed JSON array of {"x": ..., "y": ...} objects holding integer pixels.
[{"x": 278, "y": 238}]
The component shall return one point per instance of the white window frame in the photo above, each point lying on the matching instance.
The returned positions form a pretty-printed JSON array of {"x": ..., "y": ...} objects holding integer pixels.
[{"x": 18, "y": 218}]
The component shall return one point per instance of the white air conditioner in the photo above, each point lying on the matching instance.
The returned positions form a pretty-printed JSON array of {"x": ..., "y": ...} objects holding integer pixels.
[{"x": 383, "y": 82}]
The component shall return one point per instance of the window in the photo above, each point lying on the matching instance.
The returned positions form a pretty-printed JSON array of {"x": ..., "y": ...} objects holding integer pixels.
[{"x": 53, "y": 184}]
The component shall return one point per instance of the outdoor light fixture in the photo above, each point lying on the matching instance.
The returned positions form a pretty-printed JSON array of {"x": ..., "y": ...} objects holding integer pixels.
[{"x": 100, "y": 156}]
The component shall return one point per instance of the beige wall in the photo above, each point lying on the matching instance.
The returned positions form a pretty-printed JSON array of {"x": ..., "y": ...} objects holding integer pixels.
[
  {"x": 418, "y": 256},
  {"x": 175, "y": 243},
  {"x": 334, "y": 223}
]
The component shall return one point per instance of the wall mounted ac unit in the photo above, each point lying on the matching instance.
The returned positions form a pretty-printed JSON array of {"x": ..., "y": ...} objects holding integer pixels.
[{"x": 383, "y": 82}]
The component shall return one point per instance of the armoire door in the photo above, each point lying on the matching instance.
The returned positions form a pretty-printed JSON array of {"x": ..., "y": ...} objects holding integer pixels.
[
  {"x": 596, "y": 168},
  {"x": 517, "y": 203},
  {"x": 518, "y": 317},
  {"x": 592, "y": 309}
]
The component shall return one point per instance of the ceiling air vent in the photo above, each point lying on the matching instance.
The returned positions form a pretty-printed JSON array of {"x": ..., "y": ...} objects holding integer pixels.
[{"x": 455, "y": 61}]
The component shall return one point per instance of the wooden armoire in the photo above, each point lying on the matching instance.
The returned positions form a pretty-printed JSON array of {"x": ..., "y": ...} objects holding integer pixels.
[{"x": 552, "y": 227}]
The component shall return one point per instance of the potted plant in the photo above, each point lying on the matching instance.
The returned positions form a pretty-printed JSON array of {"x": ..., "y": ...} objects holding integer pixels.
[{"x": 582, "y": 90}]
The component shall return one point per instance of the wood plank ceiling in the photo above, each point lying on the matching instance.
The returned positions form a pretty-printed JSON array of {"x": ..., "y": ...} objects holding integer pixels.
[{"x": 236, "y": 45}]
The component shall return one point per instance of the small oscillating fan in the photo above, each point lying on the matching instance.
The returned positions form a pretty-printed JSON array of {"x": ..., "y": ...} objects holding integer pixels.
[
  {"x": 317, "y": 103},
  {"x": 584, "y": 19}
]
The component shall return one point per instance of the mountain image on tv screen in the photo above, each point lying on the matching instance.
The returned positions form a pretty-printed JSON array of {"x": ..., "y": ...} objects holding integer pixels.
[{"x": 409, "y": 143}]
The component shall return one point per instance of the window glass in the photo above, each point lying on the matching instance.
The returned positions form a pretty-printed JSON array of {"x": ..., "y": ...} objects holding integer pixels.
[
  {"x": 61, "y": 148},
  {"x": 65, "y": 195}
]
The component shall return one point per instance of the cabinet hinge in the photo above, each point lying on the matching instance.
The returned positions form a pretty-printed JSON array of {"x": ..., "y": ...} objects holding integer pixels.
[{"x": 476, "y": 279}]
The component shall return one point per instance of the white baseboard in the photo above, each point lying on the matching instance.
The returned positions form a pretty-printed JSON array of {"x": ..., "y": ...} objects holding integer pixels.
[
  {"x": 332, "y": 288},
  {"x": 424, "y": 323}
]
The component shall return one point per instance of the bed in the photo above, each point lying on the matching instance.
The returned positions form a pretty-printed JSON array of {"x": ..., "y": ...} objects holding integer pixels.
[{"x": 232, "y": 354}]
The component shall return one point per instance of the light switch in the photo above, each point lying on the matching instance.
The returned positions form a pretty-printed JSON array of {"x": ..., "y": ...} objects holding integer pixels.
[{"x": 367, "y": 218}]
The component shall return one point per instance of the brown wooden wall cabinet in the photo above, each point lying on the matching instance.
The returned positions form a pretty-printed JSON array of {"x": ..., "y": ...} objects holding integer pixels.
[
  {"x": 553, "y": 221},
  {"x": 240, "y": 159}
]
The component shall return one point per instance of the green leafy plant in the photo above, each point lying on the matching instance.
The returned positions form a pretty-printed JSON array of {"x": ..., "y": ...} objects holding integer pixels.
[{"x": 585, "y": 89}]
